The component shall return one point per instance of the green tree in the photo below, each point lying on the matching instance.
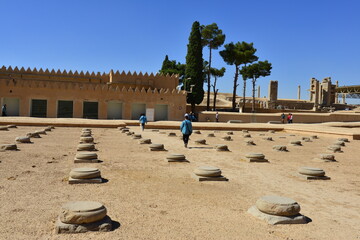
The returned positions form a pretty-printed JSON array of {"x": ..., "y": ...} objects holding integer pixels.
[
  {"x": 194, "y": 67},
  {"x": 216, "y": 73},
  {"x": 253, "y": 72},
  {"x": 213, "y": 38},
  {"x": 237, "y": 54},
  {"x": 171, "y": 67}
]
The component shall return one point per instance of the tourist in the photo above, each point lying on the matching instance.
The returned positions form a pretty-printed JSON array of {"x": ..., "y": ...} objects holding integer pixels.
[
  {"x": 143, "y": 121},
  {"x": 3, "y": 110},
  {"x": 192, "y": 117},
  {"x": 186, "y": 129},
  {"x": 288, "y": 117},
  {"x": 291, "y": 118},
  {"x": 217, "y": 116},
  {"x": 283, "y": 118}
]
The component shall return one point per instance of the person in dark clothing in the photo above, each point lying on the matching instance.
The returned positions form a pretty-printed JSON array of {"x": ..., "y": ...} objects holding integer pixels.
[
  {"x": 283, "y": 118},
  {"x": 3, "y": 111}
]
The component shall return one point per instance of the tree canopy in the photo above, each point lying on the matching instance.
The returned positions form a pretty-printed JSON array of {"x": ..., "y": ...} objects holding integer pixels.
[
  {"x": 171, "y": 67},
  {"x": 238, "y": 54}
]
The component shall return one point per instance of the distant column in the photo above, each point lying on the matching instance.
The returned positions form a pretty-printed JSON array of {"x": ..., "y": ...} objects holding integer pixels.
[
  {"x": 258, "y": 91},
  {"x": 336, "y": 94},
  {"x": 316, "y": 94},
  {"x": 273, "y": 93},
  {"x": 299, "y": 89},
  {"x": 344, "y": 98}
]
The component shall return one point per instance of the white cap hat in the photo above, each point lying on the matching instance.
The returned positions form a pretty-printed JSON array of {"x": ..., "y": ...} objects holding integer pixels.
[{"x": 186, "y": 115}]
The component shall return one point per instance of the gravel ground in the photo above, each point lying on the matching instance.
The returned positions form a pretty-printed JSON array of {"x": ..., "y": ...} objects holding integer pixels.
[{"x": 149, "y": 198}]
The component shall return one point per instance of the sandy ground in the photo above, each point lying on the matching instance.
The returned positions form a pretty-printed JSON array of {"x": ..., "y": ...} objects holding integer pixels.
[{"x": 149, "y": 198}]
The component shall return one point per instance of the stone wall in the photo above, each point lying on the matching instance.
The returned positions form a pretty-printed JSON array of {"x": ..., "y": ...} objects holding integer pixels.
[{"x": 264, "y": 118}]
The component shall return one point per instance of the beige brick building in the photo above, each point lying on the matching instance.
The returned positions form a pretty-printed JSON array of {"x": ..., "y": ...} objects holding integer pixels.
[{"x": 113, "y": 95}]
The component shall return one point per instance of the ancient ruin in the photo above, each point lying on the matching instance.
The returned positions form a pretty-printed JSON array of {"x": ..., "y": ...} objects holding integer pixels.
[
  {"x": 277, "y": 210},
  {"x": 83, "y": 216},
  {"x": 156, "y": 147},
  {"x": 4, "y": 147},
  {"x": 221, "y": 147},
  {"x": 176, "y": 157},
  {"x": 208, "y": 173},
  {"x": 86, "y": 157},
  {"x": 310, "y": 173},
  {"x": 255, "y": 157},
  {"x": 85, "y": 175},
  {"x": 22, "y": 140},
  {"x": 86, "y": 147}
]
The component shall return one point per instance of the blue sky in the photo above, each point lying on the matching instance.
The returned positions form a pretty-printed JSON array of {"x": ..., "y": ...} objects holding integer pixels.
[{"x": 302, "y": 39}]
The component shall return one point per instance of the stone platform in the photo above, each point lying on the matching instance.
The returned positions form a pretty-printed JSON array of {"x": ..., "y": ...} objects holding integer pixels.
[
  {"x": 89, "y": 180},
  {"x": 202, "y": 178},
  {"x": 274, "y": 219},
  {"x": 104, "y": 225}
]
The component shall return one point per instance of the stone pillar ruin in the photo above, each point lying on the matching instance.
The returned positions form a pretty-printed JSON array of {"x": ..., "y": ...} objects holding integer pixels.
[
  {"x": 326, "y": 92},
  {"x": 336, "y": 94},
  {"x": 299, "y": 89},
  {"x": 273, "y": 94},
  {"x": 111, "y": 74},
  {"x": 314, "y": 93},
  {"x": 258, "y": 92}
]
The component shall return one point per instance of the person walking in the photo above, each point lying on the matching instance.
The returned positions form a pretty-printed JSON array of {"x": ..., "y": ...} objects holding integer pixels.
[
  {"x": 186, "y": 129},
  {"x": 291, "y": 118},
  {"x": 3, "y": 111},
  {"x": 143, "y": 121},
  {"x": 217, "y": 116},
  {"x": 283, "y": 118},
  {"x": 192, "y": 117},
  {"x": 288, "y": 117}
]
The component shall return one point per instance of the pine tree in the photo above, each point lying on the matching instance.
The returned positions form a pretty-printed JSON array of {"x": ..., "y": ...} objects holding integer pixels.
[
  {"x": 171, "y": 67},
  {"x": 238, "y": 54},
  {"x": 194, "y": 67},
  {"x": 253, "y": 72},
  {"x": 213, "y": 38}
]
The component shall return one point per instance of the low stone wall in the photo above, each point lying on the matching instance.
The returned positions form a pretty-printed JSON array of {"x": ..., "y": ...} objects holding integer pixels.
[{"x": 264, "y": 118}]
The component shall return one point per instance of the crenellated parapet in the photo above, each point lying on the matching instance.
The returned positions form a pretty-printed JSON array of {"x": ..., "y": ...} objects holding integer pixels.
[
  {"x": 129, "y": 80},
  {"x": 86, "y": 86}
]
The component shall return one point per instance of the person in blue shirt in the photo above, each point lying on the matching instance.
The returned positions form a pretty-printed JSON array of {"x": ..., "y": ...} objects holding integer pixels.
[
  {"x": 186, "y": 129},
  {"x": 143, "y": 121},
  {"x": 192, "y": 117}
]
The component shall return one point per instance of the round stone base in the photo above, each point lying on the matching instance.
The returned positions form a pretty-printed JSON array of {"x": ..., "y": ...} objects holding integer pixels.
[
  {"x": 221, "y": 147},
  {"x": 280, "y": 148},
  {"x": 4, "y": 147},
  {"x": 200, "y": 141},
  {"x": 310, "y": 171},
  {"x": 22, "y": 140},
  {"x": 208, "y": 171},
  {"x": 145, "y": 141},
  {"x": 85, "y": 173},
  {"x": 276, "y": 205},
  {"x": 80, "y": 212},
  {"x": 156, "y": 147}
]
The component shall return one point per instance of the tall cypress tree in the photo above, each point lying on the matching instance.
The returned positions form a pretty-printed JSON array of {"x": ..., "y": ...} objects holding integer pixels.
[{"x": 194, "y": 67}]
